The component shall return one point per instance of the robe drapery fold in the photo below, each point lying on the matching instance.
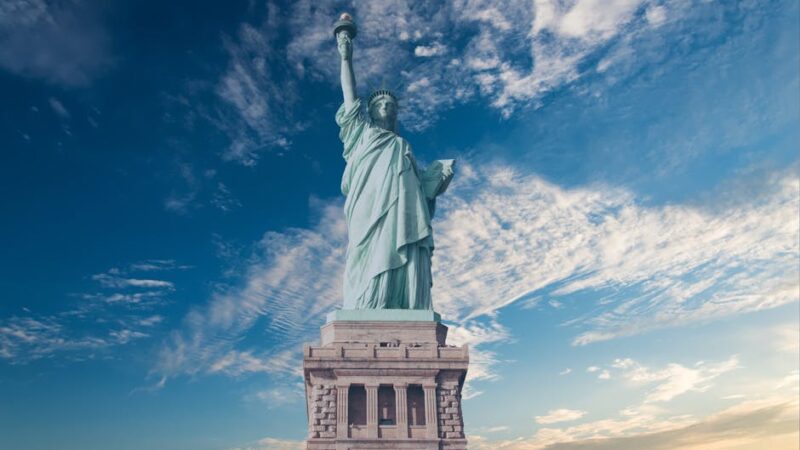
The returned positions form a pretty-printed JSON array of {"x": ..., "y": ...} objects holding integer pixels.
[{"x": 388, "y": 212}]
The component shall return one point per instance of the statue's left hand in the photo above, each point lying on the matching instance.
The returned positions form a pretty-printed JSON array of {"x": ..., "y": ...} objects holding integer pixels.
[{"x": 447, "y": 169}]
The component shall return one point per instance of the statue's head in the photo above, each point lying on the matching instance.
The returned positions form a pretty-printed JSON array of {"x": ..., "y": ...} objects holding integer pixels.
[{"x": 382, "y": 107}]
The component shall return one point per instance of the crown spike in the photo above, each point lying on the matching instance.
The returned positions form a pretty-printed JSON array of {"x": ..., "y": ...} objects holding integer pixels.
[{"x": 381, "y": 93}]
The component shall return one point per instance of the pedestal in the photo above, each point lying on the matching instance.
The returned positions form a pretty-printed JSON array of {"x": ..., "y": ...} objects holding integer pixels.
[{"x": 377, "y": 383}]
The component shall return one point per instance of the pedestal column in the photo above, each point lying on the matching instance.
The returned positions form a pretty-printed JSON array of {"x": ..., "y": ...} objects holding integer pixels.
[
  {"x": 431, "y": 418},
  {"x": 401, "y": 413},
  {"x": 342, "y": 397},
  {"x": 372, "y": 410}
]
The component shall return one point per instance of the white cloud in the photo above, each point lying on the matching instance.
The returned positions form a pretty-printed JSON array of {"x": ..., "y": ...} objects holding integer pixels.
[
  {"x": 237, "y": 363},
  {"x": 560, "y": 415},
  {"x": 786, "y": 338},
  {"x": 277, "y": 292},
  {"x": 293, "y": 280},
  {"x": 58, "y": 107},
  {"x": 747, "y": 426},
  {"x": 274, "y": 444},
  {"x": 134, "y": 298},
  {"x": 182, "y": 200},
  {"x": 566, "y": 371},
  {"x": 666, "y": 266},
  {"x": 60, "y": 42},
  {"x": 113, "y": 281},
  {"x": 277, "y": 396},
  {"x": 594, "y": 20},
  {"x": 656, "y": 15},
  {"x": 514, "y": 54},
  {"x": 42, "y": 336},
  {"x": 139, "y": 293},
  {"x": 675, "y": 379},
  {"x": 151, "y": 320},
  {"x": 124, "y": 336},
  {"x": 157, "y": 265},
  {"x": 32, "y": 337},
  {"x": 257, "y": 93},
  {"x": 426, "y": 51},
  {"x": 98, "y": 322},
  {"x": 482, "y": 363},
  {"x": 223, "y": 199},
  {"x": 791, "y": 381},
  {"x": 507, "y": 58}
]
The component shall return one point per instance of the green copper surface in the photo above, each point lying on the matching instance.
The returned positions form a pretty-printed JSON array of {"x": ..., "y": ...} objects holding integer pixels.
[
  {"x": 384, "y": 315},
  {"x": 390, "y": 201}
]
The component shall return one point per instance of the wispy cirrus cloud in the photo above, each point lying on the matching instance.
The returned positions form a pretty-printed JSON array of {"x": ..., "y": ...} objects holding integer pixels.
[
  {"x": 157, "y": 265},
  {"x": 435, "y": 56},
  {"x": 746, "y": 426},
  {"x": 60, "y": 42},
  {"x": 24, "y": 339},
  {"x": 58, "y": 107},
  {"x": 650, "y": 418},
  {"x": 513, "y": 55},
  {"x": 274, "y": 444},
  {"x": 28, "y": 338},
  {"x": 237, "y": 363},
  {"x": 271, "y": 293},
  {"x": 559, "y": 415},
  {"x": 114, "y": 281},
  {"x": 675, "y": 379},
  {"x": 131, "y": 298},
  {"x": 502, "y": 236},
  {"x": 120, "y": 310},
  {"x": 294, "y": 279},
  {"x": 483, "y": 362},
  {"x": 223, "y": 199},
  {"x": 277, "y": 396},
  {"x": 257, "y": 91}
]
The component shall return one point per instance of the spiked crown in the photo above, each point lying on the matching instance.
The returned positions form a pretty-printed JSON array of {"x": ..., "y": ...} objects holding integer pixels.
[{"x": 380, "y": 93}]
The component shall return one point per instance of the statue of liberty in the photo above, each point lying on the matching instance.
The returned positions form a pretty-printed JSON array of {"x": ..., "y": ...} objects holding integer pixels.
[{"x": 390, "y": 199}]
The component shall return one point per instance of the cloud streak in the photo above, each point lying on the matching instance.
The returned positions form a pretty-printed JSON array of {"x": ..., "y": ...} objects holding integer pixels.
[
  {"x": 274, "y": 444},
  {"x": 60, "y": 42},
  {"x": 502, "y": 237},
  {"x": 290, "y": 306},
  {"x": 120, "y": 312},
  {"x": 435, "y": 56},
  {"x": 675, "y": 379},
  {"x": 748, "y": 426},
  {"x": 257, "y": 94},
  {"x": 559, "y": 415}
]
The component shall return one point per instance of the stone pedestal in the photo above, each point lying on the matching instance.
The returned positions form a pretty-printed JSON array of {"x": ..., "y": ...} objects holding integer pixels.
[{"x": 377, "y": 383}]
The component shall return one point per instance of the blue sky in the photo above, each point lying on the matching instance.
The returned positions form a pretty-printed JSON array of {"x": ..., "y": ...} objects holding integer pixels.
[{"x": 619, "y": 247}]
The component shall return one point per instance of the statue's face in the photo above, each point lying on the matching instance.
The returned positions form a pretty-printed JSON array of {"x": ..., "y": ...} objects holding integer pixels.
[{"x": 383, "y": 109}]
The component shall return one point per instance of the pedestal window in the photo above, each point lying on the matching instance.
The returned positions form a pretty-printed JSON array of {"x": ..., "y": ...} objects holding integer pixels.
[
  {"x": 357, "y": 405},
  {"x": 387, "y": 412},
  {"x": 416, "y": 405}
]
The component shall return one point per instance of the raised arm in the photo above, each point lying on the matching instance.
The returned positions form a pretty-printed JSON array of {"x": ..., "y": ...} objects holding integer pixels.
[{"x": 345, "y": 44}]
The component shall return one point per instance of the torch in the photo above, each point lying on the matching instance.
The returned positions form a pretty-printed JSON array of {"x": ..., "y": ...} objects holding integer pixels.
[{"x": 345, "y": 23}]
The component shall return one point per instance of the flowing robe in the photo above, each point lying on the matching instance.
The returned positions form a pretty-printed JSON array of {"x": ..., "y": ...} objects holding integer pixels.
[{"x": 388, "y": 212}]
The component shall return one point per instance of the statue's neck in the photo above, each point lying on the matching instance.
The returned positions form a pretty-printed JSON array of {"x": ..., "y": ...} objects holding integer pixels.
[{"x": 386, "y": 125}]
